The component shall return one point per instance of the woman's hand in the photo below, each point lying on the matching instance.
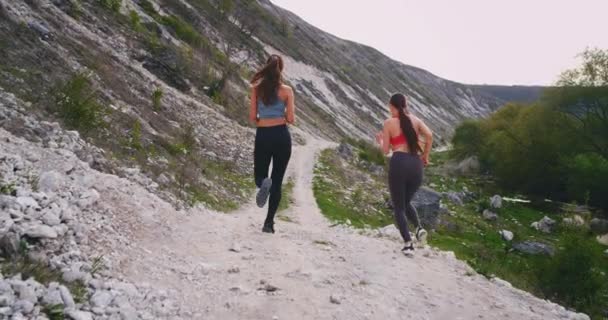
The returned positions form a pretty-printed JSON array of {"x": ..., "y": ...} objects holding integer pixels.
[
  {"x": 379, "y": 138},
  {"x": 425, "y": 159}
]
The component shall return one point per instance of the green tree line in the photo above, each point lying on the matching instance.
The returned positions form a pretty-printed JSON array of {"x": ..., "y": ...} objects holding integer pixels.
[{"x": 556, "y": 147}]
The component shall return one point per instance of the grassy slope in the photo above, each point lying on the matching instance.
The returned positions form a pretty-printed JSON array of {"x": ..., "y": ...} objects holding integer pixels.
[{"x": 463, "y": 231}]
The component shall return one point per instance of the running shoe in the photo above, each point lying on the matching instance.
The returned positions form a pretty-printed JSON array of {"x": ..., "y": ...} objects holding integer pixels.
[
  {"x": 268, "y": 228},
  {"x": 263, "y": 193},
  {"x": 421, "y": 235},
  {"x": 408, "y": 250}
]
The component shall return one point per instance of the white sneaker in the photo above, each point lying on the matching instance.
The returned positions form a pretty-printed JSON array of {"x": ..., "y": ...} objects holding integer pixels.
[
  {"x": 421, "y": 235},
  {"x": 408, "y": 250}
]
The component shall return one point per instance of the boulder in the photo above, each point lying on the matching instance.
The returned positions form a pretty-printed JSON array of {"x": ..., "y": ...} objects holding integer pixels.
[
  {"x": 545, "y": 225},
  {"x": 603, "y": 239},
  {"x": 599, "y": 226},
  {"x": 606, "y": 253},
  {"x": 454, "y": 197},
  {"x": 428, "y": 204},
  {"x": 9, "y": 244},
  {"x": 467, "y": 166},
  {"x": 489, "y": 215},
  {"x": 575, "y": 221},
  {"x": 346, "y": 151},
  {"x": 534, "y": 248},
  {"x": 101, "y": 299},
  {"x": 496, "y": 202},
  {"x": 79, "y": 315},
  {"x": 390, "y": 232},
  {"x": 40, "y": 231},
  {"x": 50, "y": 181},
  {"x": 506, "y": 235}
]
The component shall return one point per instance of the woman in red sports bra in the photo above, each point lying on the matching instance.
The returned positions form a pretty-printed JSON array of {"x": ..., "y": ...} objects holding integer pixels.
[{"x": 401, "y": 136}]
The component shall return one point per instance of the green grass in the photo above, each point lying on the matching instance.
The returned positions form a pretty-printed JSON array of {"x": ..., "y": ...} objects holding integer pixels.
[
  {"x": 235, "y": 187},
  {"x": 43, "y": 274},
  {"x": 476, "y": 240},
  {"x": 287, "y": 197},
  {"x": 362, "y": 206}
]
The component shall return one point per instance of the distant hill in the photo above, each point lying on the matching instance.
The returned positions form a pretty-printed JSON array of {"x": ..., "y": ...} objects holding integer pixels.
[{"x": 512, "y": 93}]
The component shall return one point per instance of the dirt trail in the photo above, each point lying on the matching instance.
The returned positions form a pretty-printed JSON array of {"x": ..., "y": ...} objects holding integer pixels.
[{"x": 223, "y": 267}]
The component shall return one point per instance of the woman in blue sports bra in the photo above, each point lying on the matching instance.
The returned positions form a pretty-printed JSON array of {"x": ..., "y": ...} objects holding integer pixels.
[{"x": 272, "y": 108}]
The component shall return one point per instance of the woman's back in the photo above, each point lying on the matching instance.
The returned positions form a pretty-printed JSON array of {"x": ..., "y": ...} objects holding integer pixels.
[{"x": 397, "y": 136}]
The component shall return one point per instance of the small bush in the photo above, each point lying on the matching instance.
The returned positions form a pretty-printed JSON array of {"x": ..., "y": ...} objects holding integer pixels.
[
  {"x": 148, "y": 7},
  {"x": 182, "y": 29},
  {"x": 113, "y": 5},
  {"x": 7, "y": 189},
  {"x": 76, "y": 103},
  {"x": 135, "y": 21},
  {"x": 570, "y": 277},
  {"x": 157, "y": 96}
]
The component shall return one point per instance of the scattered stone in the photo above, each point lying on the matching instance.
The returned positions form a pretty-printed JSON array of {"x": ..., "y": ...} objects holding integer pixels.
[
  {"x": 23, "y": 306},
  {"x": 68, "y": 300},
  {"x": 489, "y": 215},
  {"x": 234, "y": 269},
  {"x": 534, "y": 248},
  {"x": 52, "y": 296},
  {"x": 50, "y": 219},
  {"x": 79, "y": 315},
  {"x": 575, "y": 221},
  {"x": 454, "y": 197},
  {"x": 236, "y": 247},
  {"x": 334, "y": 299},
  {"x": 606, "y": 253},
  {"x": 496, "y": 202},
  {"x": 50, "y": 181},
  {"x": 9, "y": 244},
  {"x": 390, "y": 231},
  {"x": 468, "y": 166},
  {"x": 40, "y": 231},
  {"x": 506, "y": 235},
  {"x": 603, "y": 239},
  {"x": 599, "y": 226},
  {"x": 346, "y": 151},
  {"x": 545, "y": 225},
  {"x": 101, "y": 299},
  {"x": 88, "y": 199}
]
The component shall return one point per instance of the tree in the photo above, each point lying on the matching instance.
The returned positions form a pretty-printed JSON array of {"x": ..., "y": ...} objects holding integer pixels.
[{"x": 582, "y": 94}]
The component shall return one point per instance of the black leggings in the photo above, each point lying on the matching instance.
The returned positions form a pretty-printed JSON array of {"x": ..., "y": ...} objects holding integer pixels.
[
  {"x": 271, "y": 143},
  {"x": 404, "y": 179}
]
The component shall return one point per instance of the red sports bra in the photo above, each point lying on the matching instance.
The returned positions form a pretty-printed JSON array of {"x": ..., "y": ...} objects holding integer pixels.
[{"x": 398, "y": 140}]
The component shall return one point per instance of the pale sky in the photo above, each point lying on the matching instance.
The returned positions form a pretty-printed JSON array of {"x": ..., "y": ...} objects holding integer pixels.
[{"x": 469, "y": 41}]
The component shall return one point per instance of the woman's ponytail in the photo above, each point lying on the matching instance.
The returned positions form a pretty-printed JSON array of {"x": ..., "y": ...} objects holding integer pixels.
[
  {"x": 400, "y": 103},
  {"x": 269, "y": 78}
]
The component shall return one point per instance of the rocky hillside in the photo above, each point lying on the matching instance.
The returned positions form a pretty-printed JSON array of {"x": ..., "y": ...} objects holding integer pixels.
[{"x": 162, "y": 85}]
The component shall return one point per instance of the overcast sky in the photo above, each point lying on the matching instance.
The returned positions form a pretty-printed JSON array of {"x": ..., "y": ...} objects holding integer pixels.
[{"x": 470, "y": 41}]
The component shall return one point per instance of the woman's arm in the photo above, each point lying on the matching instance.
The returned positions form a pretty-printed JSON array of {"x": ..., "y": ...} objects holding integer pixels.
[
  {"x": 291, "y": 107},
  {"x": 383, "y": 139},
  {"x": 253, "y": 107},
  {"x": 428, "y": 141}
]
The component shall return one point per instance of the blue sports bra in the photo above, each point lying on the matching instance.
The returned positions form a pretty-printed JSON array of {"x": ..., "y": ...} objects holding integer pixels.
[{"x": 275, "y": 110}]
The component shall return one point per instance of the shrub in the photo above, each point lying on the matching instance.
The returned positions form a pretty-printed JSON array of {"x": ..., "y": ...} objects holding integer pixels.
[
  {"x": 157, "y": 96},
  {"x": 570, "y": 276},
  {"x": 76, "y": 103},
  {"x": 182, "y": 29},
  {"x": 135, "y": 21},
  {"x": 113, "y": 5}
]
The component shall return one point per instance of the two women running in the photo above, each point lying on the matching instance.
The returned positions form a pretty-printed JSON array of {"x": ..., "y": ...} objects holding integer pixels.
[
  {"x": 401, "y": 134},
  {"x": 272, "y": 108}
]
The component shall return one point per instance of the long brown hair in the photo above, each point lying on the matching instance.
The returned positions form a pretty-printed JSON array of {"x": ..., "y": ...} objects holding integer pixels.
[
  {"x": 399, "y": 101},
  {"x": 271, "y": 79}
]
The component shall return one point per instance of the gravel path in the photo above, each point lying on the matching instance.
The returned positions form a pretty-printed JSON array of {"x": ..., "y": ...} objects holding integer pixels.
[{"x": 221, "y": 266}]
